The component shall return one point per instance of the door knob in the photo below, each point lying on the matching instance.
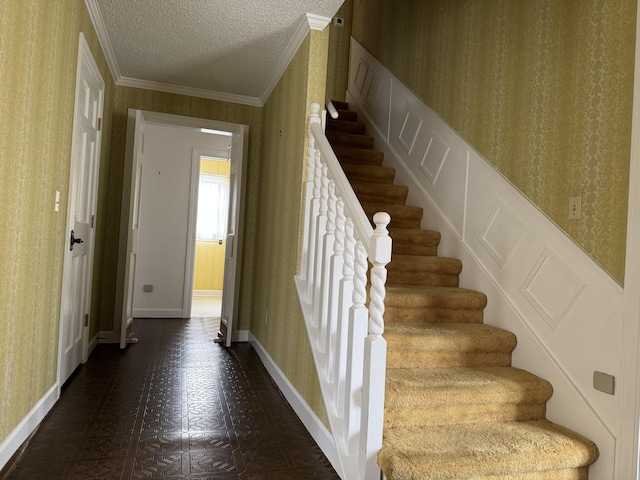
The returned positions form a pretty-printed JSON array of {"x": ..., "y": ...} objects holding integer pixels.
[{"x": 74, "y": 240}]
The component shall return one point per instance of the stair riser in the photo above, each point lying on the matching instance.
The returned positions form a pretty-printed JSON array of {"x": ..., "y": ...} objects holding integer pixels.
[
  {"x": 390, "y": 197},
  {"x": 349, "y": 140},
  {"x": 359, "y": 157},
  {"x": 431, "y": 315},
  {"x": 399, "y": 357},
  {"x": 357, "y": 177},
  {"x": 400, "y": 277},
  {"x": 345, "y": 126},
  {"x": 446, "y": 415}
]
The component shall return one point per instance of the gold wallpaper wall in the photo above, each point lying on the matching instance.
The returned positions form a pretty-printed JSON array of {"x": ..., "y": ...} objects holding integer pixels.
[
  {"x": 338, "y": 60},
  {"x": 276, "y": 319},
  {"x": 126, "y": 98},
  {"x": 38, "y": 57},
  {"x": 541, "y": 88}
]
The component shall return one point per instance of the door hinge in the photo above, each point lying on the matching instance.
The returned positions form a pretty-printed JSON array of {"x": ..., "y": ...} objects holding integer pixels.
[
  {"x": 86, "y": 319},
  {"x": 99, "y": 124},
  {"x": 93, "y": 221}
]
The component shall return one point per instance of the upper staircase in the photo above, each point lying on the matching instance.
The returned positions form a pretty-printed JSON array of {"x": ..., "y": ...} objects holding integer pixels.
[{"x": 455, "y": 408}]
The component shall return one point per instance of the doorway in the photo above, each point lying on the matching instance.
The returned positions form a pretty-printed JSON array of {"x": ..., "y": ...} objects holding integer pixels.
[
  {"x": 210, "y": 241},
  {"x": 162, "y": 278}
]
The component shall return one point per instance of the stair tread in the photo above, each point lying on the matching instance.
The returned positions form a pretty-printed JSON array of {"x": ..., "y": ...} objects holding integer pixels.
[
  {"x": 408, "y": 388},
  {"x": 445, "y": 337},
  {"x": 482, "y": 449},
  {"x": 353, "y": 140},
  {"x": 369, "y": 173},
  {"x": 358, "y": 155},
  {"x": 346, "y": 126}
]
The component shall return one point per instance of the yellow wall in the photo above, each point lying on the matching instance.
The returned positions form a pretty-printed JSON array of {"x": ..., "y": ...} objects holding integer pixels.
[
  {"x": 541, "y": 88},
  {"x": 208, "y": 271},
  {"x": 38, "y": 54},
  {"x": 338, "y": 59},
  {"x": 277, "y": 320}
]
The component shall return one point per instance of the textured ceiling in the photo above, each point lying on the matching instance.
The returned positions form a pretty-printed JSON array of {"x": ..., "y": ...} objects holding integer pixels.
[{"x": 227, "y": 49}]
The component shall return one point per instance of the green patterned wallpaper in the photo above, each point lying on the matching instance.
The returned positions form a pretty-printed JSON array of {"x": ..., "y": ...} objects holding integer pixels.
[
  {"x": 541, "y": 88},
  {"x": 154, "y": 101},
  {"x": 276, "y": 319},
  {"x": 38, "y": 54}
]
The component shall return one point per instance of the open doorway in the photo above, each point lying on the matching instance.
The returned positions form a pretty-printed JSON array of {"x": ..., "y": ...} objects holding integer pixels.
[{"x": 210, "y": 242}]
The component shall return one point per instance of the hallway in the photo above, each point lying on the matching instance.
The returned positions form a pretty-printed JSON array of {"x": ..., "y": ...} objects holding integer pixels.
[{"x": 174, "y": 406}]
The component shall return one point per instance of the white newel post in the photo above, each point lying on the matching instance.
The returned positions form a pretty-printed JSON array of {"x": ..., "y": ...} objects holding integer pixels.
[{"x": 375, "y": 355}]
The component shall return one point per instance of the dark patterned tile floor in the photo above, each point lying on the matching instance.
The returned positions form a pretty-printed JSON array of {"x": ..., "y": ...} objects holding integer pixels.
[{"x": 174, "y": 406}]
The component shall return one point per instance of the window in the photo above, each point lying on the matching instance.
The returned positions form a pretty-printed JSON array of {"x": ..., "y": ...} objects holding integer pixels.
[{"x": 213, "y": 199}]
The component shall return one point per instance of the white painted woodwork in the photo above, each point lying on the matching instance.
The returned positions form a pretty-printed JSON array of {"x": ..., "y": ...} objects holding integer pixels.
[
  {"x": 233, "y": 252},
  {"x": 167, "y": 214},
  {"x": 349, "y": 351},
  {"x": 134, "y": 168},
  {"x": 81, "y": 209},
  {"x": 565, "y": 310}
]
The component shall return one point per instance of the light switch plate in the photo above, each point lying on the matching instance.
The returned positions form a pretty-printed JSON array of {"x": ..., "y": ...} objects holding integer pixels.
[
  {"x": 604, "y": 382},
  {"x": 147, "y": 288}
]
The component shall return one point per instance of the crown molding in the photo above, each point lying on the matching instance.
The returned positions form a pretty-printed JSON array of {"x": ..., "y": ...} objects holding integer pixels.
[
  {"x": 103, "y": 38},
  {"x": 190, "y": 91},
  {"x": 309, "y": 22}
]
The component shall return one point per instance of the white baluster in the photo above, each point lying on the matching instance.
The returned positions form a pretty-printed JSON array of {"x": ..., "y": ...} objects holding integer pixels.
[
  {"x": 313, "y": 236},
  {"x": 321, "y": 229},
  {"x": 345, "y": 300},
  {"x": 358, "y": 320},
  {"x": 325, "y": 285},
  {"x": 335, "y": 276}
]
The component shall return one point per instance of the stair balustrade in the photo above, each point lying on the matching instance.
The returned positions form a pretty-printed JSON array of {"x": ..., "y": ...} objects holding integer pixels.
[{"x": 343, "y": 258}]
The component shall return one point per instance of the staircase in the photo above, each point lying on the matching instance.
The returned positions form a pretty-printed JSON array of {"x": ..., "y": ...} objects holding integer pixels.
[{"x": 454, "y": 406}]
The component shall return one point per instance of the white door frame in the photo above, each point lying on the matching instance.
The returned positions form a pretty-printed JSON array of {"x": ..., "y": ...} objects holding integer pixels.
[
  {"x": 240, "y": 132},
  {"x": 84, "y": 58},
  {"x": 627, "y": 464},
  {"x": 196, "y": 154}
]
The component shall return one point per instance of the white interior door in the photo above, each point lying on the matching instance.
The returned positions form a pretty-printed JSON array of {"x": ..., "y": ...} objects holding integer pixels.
[
  {"x": 136, "y": 153},
  {"x": 233, "y": 251},
  {"x": 81, "y": 208}
]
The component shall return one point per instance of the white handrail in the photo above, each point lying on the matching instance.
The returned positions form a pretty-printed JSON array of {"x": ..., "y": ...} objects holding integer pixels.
[
  {"x": 331, "y": 108},
  {"x": 339, "y": 246}
]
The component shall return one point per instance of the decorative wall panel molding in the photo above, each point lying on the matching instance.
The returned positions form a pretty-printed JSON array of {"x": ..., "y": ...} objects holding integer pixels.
[
  {"x": 434, "y": 157},
  {"x": 552, "y": 287},
  {"x": 409, "y": 131},
  {"x": 501, "y": 234}
]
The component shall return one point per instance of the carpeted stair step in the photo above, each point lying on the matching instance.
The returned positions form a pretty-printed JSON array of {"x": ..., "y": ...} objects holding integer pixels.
[
  {"x": 432, "y": 345},
  {"x": 423, "y": 270},
  {"x": 340, "y": 105},
  {"x": 358, "y": 156},
  {"x": 347, "y": 115},
  {"x": 402, "y": 216},
  {"x": 345, "y": 126},
  {"x": 535, "y": 450},
  {"x": 350, "y": 140},
  {"x": 408, "y": 303},
  {"x": 369, "y": 173},
  {"x": 380, "y": 193},
  {"x": 424, "y": 397},
  {"x": 414, "y": 241}
]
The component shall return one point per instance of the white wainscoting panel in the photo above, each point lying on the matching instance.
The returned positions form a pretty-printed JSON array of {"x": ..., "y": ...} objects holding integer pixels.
[{"x": 565, "y": 310}]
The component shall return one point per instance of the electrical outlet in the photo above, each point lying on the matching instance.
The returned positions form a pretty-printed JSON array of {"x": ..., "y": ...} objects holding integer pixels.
[{"x": 575, "y": 207}]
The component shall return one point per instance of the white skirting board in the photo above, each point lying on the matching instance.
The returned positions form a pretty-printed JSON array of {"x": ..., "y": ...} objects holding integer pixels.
[
  {"x": 28, "y": 424},
  {"x": 316, "y": 428}
]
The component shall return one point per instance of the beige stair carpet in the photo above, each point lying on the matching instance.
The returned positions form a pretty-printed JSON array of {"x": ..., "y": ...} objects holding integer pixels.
[{"x": 455, "y": 408}]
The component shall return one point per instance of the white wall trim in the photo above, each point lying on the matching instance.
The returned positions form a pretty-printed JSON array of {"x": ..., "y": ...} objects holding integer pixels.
[
  {"x": 190, "y": 91},
  {"x": 308, "y": 23},
  {"x": 29, "y": 423},
  {"x": 564, "y": 308},
  {"x": 316, "y": 428},
  {"x": 157, "y": 313},
  {"x": 627, "y": 456}
]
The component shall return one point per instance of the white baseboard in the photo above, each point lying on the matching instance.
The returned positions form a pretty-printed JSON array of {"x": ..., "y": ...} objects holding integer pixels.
[
  {"x": 240, "y": 336},
  {"x": 157, "y": 313},
  {"x": 16, "y": 438},
  {"x": 312, "y": 423},
  {"x": 93, "y": 343},
  {"x": 207, "y": 293}
]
